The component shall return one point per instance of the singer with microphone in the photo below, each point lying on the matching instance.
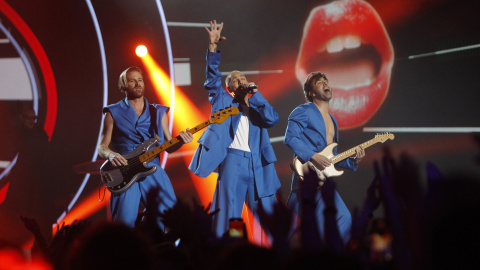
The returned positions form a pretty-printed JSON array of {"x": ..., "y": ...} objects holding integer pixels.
[{"x": 239, "y": 149}]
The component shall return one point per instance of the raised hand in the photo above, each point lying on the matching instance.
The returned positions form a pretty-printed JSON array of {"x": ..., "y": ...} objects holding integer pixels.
[
  {"x": 32, "y": 225},
  {"x": 328, "y": 193},
  {"x": 214, "y": 35},
  {"x": 333, "y": 241}
]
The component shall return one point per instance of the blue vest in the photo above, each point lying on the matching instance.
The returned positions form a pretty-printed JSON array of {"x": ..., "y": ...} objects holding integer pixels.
[{"x": 129, "y": 130}]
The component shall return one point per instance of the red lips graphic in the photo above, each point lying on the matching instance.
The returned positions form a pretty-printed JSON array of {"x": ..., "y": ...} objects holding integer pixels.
[{"x": 348, "y": 42}]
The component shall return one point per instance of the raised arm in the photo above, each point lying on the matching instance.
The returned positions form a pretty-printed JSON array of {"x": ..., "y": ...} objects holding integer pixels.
[
  {"x": 213, "y": 83},
  {"x": 215, "y": 35},
  {"x": 103, "y": 149}
]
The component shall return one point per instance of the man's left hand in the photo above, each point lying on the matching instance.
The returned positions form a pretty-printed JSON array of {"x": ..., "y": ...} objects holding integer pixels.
[
  {"x": 360, "y": 151},
  {"x": 186, "y": 136}
]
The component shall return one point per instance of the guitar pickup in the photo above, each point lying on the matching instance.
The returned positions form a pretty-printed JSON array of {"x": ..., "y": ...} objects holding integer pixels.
[{"x": 107, "y": 178}]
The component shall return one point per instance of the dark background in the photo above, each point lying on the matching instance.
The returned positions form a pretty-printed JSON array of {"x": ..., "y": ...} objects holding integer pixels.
[{"x": 434, "y": 91}]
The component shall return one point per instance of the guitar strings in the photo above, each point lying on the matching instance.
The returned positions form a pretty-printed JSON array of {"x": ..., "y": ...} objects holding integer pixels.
[{"x": 135, "y": 161}]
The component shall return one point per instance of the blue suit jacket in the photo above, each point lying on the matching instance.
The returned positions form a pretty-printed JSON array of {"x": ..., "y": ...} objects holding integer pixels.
[
  {"x": 214, "y": 142},
  {"x": 306, "y": 134}
]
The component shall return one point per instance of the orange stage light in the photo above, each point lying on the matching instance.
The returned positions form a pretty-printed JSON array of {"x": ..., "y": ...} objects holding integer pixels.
[
  {"x": 141, "y": 51},
  {"x": 255, "y": 232},
  {"x": 85, "y": 209},
  {"x": 186, "y": 115}
]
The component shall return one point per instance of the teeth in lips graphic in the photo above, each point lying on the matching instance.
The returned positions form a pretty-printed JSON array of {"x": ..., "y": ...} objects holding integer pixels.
[{"x": 347, "y": 41}]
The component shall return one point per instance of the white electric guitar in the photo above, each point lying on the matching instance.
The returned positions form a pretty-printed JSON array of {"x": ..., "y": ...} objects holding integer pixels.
[{"x": 302, "y": 169}]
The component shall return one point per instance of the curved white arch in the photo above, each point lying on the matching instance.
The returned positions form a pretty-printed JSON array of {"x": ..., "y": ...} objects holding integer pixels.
[
  {"x": 105, "y": 93},
  {"x": 172, "y": 73},
  {"x": 105, "y": 100},
  {"x": 31, "y": 75}
]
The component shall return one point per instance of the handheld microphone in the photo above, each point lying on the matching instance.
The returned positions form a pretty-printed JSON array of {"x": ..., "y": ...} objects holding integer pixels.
[{"x": 251, "y": 87}]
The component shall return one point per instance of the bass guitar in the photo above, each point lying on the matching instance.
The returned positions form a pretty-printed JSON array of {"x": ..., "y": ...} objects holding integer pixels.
[
  {"x": 301, "y": 169},
  {"x": 119, "y": 179}
]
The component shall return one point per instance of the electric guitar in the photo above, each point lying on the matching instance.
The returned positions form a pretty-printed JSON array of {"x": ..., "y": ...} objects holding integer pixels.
[
  {"x": 119, "y": 179},
  {"x": 302, "y": 169}
]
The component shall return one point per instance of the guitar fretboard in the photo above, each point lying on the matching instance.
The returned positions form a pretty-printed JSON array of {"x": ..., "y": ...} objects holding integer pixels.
[
  {"x": 351, "y": 151},
  {"x": 150, "y": 155}
]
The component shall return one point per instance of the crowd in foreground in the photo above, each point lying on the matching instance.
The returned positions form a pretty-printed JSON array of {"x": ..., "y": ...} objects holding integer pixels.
[{"x": 422, "y": 228}]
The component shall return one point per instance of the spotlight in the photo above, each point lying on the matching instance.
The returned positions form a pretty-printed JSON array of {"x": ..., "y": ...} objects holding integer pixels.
[{"x": 141, "y": 51}]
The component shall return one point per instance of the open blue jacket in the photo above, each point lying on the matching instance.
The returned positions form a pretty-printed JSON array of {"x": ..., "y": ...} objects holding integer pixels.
[
  {"x": 214, "y": 142},
  {"x": 306, "y": 135}
]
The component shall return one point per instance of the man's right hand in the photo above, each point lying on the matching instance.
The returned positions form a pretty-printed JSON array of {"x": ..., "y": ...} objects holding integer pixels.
[
  {"x": 117, "y": 160},
  {"x": 321, "y": 162},
  {"x": 215, "y": 35}
]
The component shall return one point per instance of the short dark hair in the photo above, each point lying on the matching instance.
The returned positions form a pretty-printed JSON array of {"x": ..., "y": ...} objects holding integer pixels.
[{"x": 311, "y": 79}]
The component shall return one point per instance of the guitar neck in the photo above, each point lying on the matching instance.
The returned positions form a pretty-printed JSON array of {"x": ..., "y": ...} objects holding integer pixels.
[
  {"x": 150, "y": 155},
  {"x": 351, "y": 151}
]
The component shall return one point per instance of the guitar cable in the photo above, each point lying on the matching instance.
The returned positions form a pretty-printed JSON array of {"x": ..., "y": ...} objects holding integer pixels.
[{"x": 99, "y": 188}]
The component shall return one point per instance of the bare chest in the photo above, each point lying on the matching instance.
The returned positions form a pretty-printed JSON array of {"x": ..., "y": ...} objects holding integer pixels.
[{"x": 330, "y": 128}]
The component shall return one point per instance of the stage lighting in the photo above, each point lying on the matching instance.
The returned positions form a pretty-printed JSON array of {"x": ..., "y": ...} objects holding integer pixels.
[{"x": 141, "y": 51}]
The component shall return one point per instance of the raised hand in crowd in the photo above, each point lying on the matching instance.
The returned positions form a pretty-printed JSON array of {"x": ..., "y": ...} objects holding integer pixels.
[
  {"x": 393, "y": 213},
  {"x": 361, "y": 221},
  {"x": 191, "y": 226},
  {"x": 310, "y": 236},
  {"x": 32, "y": 225},
  {"x": 146, "y": 223},
  {"x": 333, "y": 241},
  {"x": 279, "y": 226}
]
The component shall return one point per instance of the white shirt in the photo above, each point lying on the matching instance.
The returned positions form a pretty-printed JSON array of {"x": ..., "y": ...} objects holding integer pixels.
[{"x": 240, "y": 141}]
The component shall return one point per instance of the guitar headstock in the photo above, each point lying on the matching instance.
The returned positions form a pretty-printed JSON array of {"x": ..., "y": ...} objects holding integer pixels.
[
  {"x": 222, "y": 115},
  {"x": 384, "y": 136}
]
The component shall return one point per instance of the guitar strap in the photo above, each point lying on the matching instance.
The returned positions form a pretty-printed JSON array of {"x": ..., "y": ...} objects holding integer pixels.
[{"x": 153, "y": 118}]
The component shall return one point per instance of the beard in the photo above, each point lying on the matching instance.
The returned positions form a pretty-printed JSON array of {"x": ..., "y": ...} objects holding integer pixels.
[{"x": 135, "y": 93}]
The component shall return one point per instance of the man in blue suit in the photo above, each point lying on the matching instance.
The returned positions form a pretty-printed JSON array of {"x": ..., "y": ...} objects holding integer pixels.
[
  {"x": 239, "y": 149},
  {"x": 310, "y": 129}
]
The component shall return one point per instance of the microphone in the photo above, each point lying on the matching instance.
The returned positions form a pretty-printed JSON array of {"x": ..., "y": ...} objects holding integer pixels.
[{"x": 251, "y": 87}]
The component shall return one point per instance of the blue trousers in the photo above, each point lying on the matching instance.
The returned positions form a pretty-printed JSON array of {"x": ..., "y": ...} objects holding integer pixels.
[
  {"x": 343, "y": 217},
  {"x": 236, "y": 186},
  {"x": 124, "y": 206}
]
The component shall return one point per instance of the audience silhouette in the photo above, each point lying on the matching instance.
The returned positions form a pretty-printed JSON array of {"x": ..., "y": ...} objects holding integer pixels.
[{"x": 430, "y": 226}]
